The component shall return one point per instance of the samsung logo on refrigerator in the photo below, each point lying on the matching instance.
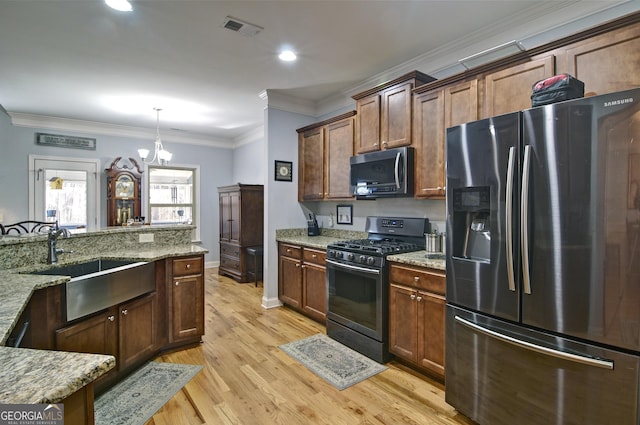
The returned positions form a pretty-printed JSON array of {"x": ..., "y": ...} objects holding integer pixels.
[{"x": 618, "y": 102}]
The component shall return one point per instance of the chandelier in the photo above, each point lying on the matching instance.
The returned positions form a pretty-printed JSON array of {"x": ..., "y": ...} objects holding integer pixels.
[{"x": 161, "y": 155}]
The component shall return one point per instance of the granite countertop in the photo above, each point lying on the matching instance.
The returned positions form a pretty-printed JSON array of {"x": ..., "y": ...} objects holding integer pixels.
[
  {"x": 41, "y": 376},
  {"x": 326, "y": 237},
  {"x": 418, "y": 258},
  {"x": 299, "y": 237}
]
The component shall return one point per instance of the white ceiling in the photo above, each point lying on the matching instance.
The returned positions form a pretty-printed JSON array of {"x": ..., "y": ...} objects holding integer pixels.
[{"x": 66, "y": 60}]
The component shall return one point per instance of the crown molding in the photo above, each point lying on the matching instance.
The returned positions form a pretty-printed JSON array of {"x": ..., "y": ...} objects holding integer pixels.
[
  {"x": 276, "y": 99},
  {"x": 249, "y": 137},
  {"x": 444, "y": 61},
  {"x": 91, "y": 127}
]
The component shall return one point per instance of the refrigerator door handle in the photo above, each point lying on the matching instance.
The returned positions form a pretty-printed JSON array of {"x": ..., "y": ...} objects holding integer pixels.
[
  {"x": 509, "y": 218},
  {"x": 589, "y": 361},
  {"x": 524, "y": 219}
]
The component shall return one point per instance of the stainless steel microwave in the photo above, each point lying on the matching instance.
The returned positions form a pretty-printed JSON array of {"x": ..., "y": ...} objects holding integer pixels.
[{"x": 386, "y": 173}]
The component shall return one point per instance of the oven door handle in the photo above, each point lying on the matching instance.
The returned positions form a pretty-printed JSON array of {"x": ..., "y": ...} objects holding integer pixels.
[{"x": 350, "y": 267}]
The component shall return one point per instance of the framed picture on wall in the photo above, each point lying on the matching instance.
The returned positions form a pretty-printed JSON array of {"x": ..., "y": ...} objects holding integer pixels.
[
  {"x": 283, "y": 171},
  {"x": 344, "y": 214}
]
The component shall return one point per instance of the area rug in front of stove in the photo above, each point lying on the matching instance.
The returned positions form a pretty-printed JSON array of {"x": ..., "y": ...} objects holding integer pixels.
[
  {"x": 340, "y": 366},
  {"x": 139, "y": 396}
]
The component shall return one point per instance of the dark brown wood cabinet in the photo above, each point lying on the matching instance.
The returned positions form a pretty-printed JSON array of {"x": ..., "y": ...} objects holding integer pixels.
[
  {"x": 43, "y": 313},
  {"x": 123, "y": 192},
  {"x": 606, "y": 63},
  {"x": 241, "y": 226},
  {"x": 417, "y": 317},
  {"x": 509, "y": 90},
  {"x": 127, "y": 331},
  {"x": 435, "y": 111},
  {"x": 311, "y": 164},
  {"x": 339, "y": 150},
  {"x": 185, "y": 297},
  {"x": 302, "y": 280},
  {"x": 137, "y": 330},
  {"x": 384, "y": 113},
  {"x": 314, "y": 284},
  {"x": 324, "y": 152}
]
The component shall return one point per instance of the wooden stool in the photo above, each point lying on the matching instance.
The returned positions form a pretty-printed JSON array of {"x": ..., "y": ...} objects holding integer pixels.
[{"x": 256, "y": 252}]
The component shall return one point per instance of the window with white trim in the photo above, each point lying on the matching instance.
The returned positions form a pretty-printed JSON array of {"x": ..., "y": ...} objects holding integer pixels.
[{"x": 172, "y": 195}]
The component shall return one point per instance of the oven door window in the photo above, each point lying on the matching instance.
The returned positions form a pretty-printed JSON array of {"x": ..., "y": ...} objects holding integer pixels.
[{"x": 355, "y": 296}]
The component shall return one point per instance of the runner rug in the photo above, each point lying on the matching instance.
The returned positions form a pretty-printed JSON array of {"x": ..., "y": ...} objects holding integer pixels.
[
  {"x": 338, "y": 365},
  {"x": 138, "y": 397}
]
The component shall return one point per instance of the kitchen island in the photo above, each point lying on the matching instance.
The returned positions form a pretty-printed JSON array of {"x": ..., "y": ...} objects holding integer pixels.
[{"x": 51, "y": 376}]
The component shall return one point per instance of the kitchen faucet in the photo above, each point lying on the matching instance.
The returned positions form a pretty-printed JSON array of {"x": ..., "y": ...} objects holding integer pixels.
[{"x": 54, "y": 234}]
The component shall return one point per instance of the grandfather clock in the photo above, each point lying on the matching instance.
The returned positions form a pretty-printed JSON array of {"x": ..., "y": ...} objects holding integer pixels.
[{"x": 123, "y": 192}]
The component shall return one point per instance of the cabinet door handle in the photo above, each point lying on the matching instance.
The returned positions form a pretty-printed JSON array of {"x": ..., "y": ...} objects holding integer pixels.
[
  {"x": 188, "y": 266},
  {"x": 416, "y": 278},
  {"x": 297, "y": 265},
  {"x": 419, "y": 299},
  {"x": 125, "y": 312},
  {"x": 314, "y": 256},
  {"x": 177, "y": 283},
  {"x": 413, "y": 297},
  {"x": 111, "y": 318},
  {"x": 288, "y": 250}
]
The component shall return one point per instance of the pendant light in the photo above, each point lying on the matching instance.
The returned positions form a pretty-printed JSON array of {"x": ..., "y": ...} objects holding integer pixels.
[{"x": 161, "y": 155}]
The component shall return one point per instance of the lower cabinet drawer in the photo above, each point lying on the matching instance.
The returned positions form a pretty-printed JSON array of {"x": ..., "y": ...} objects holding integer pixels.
[
  {"x": 314, "y": 256},
  {"x": 230, "y": 250},
  {"x": 292, "y": 251},
  {"x": 427, "y": 279},
  {"x": 187, "y": 266},
  {"x": 230, "y": 263}
]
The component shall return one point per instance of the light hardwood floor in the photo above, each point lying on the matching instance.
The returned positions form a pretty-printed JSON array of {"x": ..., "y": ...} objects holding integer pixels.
[{"x": 247, "y": 379}]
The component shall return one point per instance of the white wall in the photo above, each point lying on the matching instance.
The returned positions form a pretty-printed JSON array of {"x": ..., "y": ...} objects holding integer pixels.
[
  {"x": 281, "y": 206},
  {"x": 249, "y": 163}
]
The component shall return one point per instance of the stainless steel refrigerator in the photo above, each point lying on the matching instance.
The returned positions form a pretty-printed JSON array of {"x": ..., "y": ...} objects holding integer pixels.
[{"x": 543, "y": 264}]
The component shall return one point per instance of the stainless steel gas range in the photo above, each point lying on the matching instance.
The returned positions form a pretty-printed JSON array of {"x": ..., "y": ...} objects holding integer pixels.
[{"x": 358, "y": 283}]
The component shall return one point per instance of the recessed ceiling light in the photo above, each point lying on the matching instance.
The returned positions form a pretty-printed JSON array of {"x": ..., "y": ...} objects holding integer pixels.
[
  {"x": 287, "y": 56},
  {"x": 120, "y": 5}
]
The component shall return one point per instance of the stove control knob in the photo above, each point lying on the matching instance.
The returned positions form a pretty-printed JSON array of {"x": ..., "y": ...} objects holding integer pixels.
[
  {"x": 371, "y": 261},
  {"x": 331, "y": 253},
  {"x": 338, "y": 254},
  {"x": 350, "y": 256},
  {"x": 362, "y": 259}
]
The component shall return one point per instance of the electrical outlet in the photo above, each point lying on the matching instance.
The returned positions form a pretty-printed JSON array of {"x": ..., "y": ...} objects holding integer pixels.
[{"x": 145, "y": 237}]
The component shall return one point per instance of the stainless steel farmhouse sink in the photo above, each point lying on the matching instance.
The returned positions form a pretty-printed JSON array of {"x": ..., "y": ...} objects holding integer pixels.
[{"x": 100, "y": 284}]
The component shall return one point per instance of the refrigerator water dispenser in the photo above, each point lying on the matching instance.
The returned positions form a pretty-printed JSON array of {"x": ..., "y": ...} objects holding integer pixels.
[{"x": 471, "y": 223}]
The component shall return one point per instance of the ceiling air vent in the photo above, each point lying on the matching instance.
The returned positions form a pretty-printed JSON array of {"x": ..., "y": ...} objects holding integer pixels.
[{"x": 244, "y": 28}]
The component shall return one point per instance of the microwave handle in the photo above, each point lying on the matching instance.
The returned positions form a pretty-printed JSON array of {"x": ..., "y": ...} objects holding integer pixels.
[{"x": 397, "y": 169}]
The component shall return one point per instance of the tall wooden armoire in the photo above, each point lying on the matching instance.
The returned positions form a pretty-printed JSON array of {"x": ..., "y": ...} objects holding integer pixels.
[{"x": 241, "y": 226}]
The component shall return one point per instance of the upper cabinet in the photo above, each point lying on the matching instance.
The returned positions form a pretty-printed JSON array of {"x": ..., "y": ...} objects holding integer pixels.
[
  {"x": 606, "y": 63},
  {"x": 434, "y": 111},
  {"x": 324, "y": 151},
  {"x": 339, "y": 149},
  {"x": 384, "y": 113},
  {"x": 311, "y": 163},
  {"x": 509, "y": 90}
]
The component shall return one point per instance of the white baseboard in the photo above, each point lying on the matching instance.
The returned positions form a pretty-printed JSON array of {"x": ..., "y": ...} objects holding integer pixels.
[
  {"x": 270, "y": 303},
  {"x": 211, "y": 264}
]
